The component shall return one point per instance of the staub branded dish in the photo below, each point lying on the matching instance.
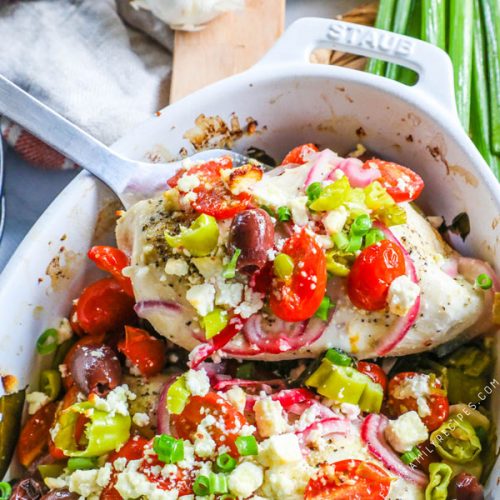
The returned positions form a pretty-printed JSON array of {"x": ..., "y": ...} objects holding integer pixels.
[{"x": 282, "y": 101}]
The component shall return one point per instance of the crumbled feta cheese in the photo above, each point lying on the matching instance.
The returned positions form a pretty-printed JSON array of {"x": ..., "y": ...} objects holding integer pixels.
[
  {"x": 141, "y": 419},
  {"x": 402, "y": 295},
  {"x": 278, "y": 450},
  {"x": 237, "y": 397},
  {"x": 417, "y": 387},
  {"x": 251, "y": 303},
  {"x": 104, "y": 475},
  {"x": 120, "y": 463},
  {"x": 176, "y": 267},
  {"x": 269, "y": 417},
  {"x": 116, "y": 401},
  {"x": 187, "y": 199},
  {"x": 245, "y": 479},
  {"x": 228, "y": 294},
  {"x": 36, "y": 400},
  {"x": 84, "y": 483},
  {"x": 335, "y": 220},
  {"x": 202, "y": 297},
  {"x": 55, "y": 483},
  {"x": 204, "y": 445},
  {"x": 287, "y": 481},
  {"x": 208, "y": 267},
  {"x": 350, "y": 410},
  {"x": 299, "y": 210},
  {"x": 197, "y": 382},
  {"x": 64, "y": 331},
  {"x": 188, "y": 182},
  {"x": 406, "y": 431}
]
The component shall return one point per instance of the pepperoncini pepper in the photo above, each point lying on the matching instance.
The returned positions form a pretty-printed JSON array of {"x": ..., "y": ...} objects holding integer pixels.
[
  {"x": 103, "y": 432},
  {"x": 456, "y": 440},
  {"x": 332, "y": 196},
  {"x": 199, "y": 239},
  {"x": 439, "y": 479},
  {"x": 177, "y": 396}
]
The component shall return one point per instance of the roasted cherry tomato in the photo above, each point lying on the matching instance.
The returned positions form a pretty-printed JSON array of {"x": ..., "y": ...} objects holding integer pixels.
[
  {"x": 298, "y": 297},
  {"x": 436, "y": 400},
  {"x": 35, "y": 436},
  {"x": 133, "y": 449},
  {"x": 103, "y": 307},
  {"x": 299, "y": 155},
  {"x": 400, "y": 182},
  {"x": 228, "y": 420},
  {"x": 212, "y": 195},
  {"x": 373, "y": 271},
  {"x": 374, "y": 371},
  {"x": 348, "y": 479},
  {"x": 112, "y": 260},
  {"x": 143, "y": 350}
]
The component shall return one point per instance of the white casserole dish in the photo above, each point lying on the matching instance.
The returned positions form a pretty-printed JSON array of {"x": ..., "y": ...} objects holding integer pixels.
[{"x": 292, "y": 102}]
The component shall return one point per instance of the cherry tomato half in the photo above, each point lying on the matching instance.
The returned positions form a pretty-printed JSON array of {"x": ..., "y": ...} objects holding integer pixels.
[
  {"x": 143, "y": 350},
  {"x": 400, "y": 182},
  {"x": 299, "y": 154},
  {"x": 35, "y": 436},
  {"x": 436, "y": 400},
  {"x": 298, "y": 297},
  {"x": 229, "y": 421},
  {"x": 374, "y": 371},
  {"x": 112, "y": 260},
  {"x": 213, "y": 197},
  {"x": 373, "y": 271},
  {"x": 348, "y": 479},
  {"x": 103, "y": 307}
]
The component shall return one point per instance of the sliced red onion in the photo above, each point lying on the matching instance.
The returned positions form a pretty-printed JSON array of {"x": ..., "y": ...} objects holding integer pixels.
[
  {"x": 402, "y": 325},
  {"x": 322, "y": 165},
  {"x": 287, "y": 398},
  {"x": 372, "y": 433},
  {"x": 326, "y": 427},
  {"x": 162, "y": 413},
  {"x": 450, "y": 267},
  {"x": 359, "y": 174},
  {"x": 145, "y": 307},
  {"x": 274, "y": 336},
  {"x": 223, "y": 385},
  {"x": 470, "y": 269}
]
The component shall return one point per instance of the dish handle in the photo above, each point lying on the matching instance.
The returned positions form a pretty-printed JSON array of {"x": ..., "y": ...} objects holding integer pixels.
[{"x": 433, "y": 66}]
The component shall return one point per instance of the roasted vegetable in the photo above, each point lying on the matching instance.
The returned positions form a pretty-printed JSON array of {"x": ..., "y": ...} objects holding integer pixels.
[{"x": 11, "y": 409}]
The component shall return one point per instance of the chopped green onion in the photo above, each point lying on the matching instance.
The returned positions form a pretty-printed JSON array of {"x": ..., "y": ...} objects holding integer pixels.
[
  {"x": 247, "y": 445},
  {"x": 50, "y": 383},
  {"x": 81, "y": 463},
  {"x": 225, "y": 463},
  {"x": 373, "y": 236},
  {"x": 341, "y": 240},
  {"x": 168, "y": 449},
  {"x": 383, "y": 22},
  {"x": 177, "y": 396},
  {"x": 324, "y": 308},
  {"x": 47, "y": 342},
  {"x": 313, "y": 191},
  {"x": 361, "y": 225},
  {"x": 284, "y": 214},
  {"x": 337, "y": 357},
  {"x": 355, "y": 243},
  {"x": 283, "y": 266},
  {"x": 410, "y": 456},
  {"x": 217, "y": 483},
  {"x": 245, "y": 371},
  {"x": 484, "y": 281},
  {"x": 230, "y": 268},
  {"x": 460, "y": 51},
  {"x": 5, "y": 490},
  {"x": 201, "y": 486},
  {"x": 214, "y": 322}
]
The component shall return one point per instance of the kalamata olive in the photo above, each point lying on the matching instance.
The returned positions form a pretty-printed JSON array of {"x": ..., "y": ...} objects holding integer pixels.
[
  {"x": 27, "y": 489},
  {"x": 60, "y": 495},
  {"x": 95, "y": 368},
  {"x": 252, "y": 231},
  {"x": 465, "y": 486}
]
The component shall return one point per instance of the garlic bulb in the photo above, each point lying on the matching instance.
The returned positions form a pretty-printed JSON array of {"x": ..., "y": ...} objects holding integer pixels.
[{"x": 189, "y": 15}]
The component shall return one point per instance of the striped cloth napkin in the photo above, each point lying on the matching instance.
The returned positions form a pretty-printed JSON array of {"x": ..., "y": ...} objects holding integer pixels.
[{"x": 100, "y": 63}]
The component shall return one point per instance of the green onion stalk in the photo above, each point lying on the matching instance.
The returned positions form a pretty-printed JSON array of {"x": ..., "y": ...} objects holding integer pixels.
[{"x": 384, "y": 22}]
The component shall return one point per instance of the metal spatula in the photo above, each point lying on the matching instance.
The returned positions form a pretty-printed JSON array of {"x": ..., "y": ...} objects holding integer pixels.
[{"x": 130, "y": 180}]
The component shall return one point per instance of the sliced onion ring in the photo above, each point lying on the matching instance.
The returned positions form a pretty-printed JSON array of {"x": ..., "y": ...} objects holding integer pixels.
[
  {"x": 402, "y": 325},
  {"x": 282, "y": 336},
  {"x": 155, "y": 306},
  {"x": 326, "y": 427},
  {"x": 358, "y": 176},
  {"x": 222, "y": 385},
  {"x": 372, "y": 433},
  {"x": 162, "y": 413},
  {"x": 321, "y": 166}
]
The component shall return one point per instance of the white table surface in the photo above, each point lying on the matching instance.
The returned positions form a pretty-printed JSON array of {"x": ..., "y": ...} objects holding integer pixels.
[{"x": 29, "y": 190}]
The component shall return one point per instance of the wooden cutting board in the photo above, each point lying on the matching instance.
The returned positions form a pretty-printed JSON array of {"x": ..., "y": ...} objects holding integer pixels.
[{"x": 230, "y": 44}]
